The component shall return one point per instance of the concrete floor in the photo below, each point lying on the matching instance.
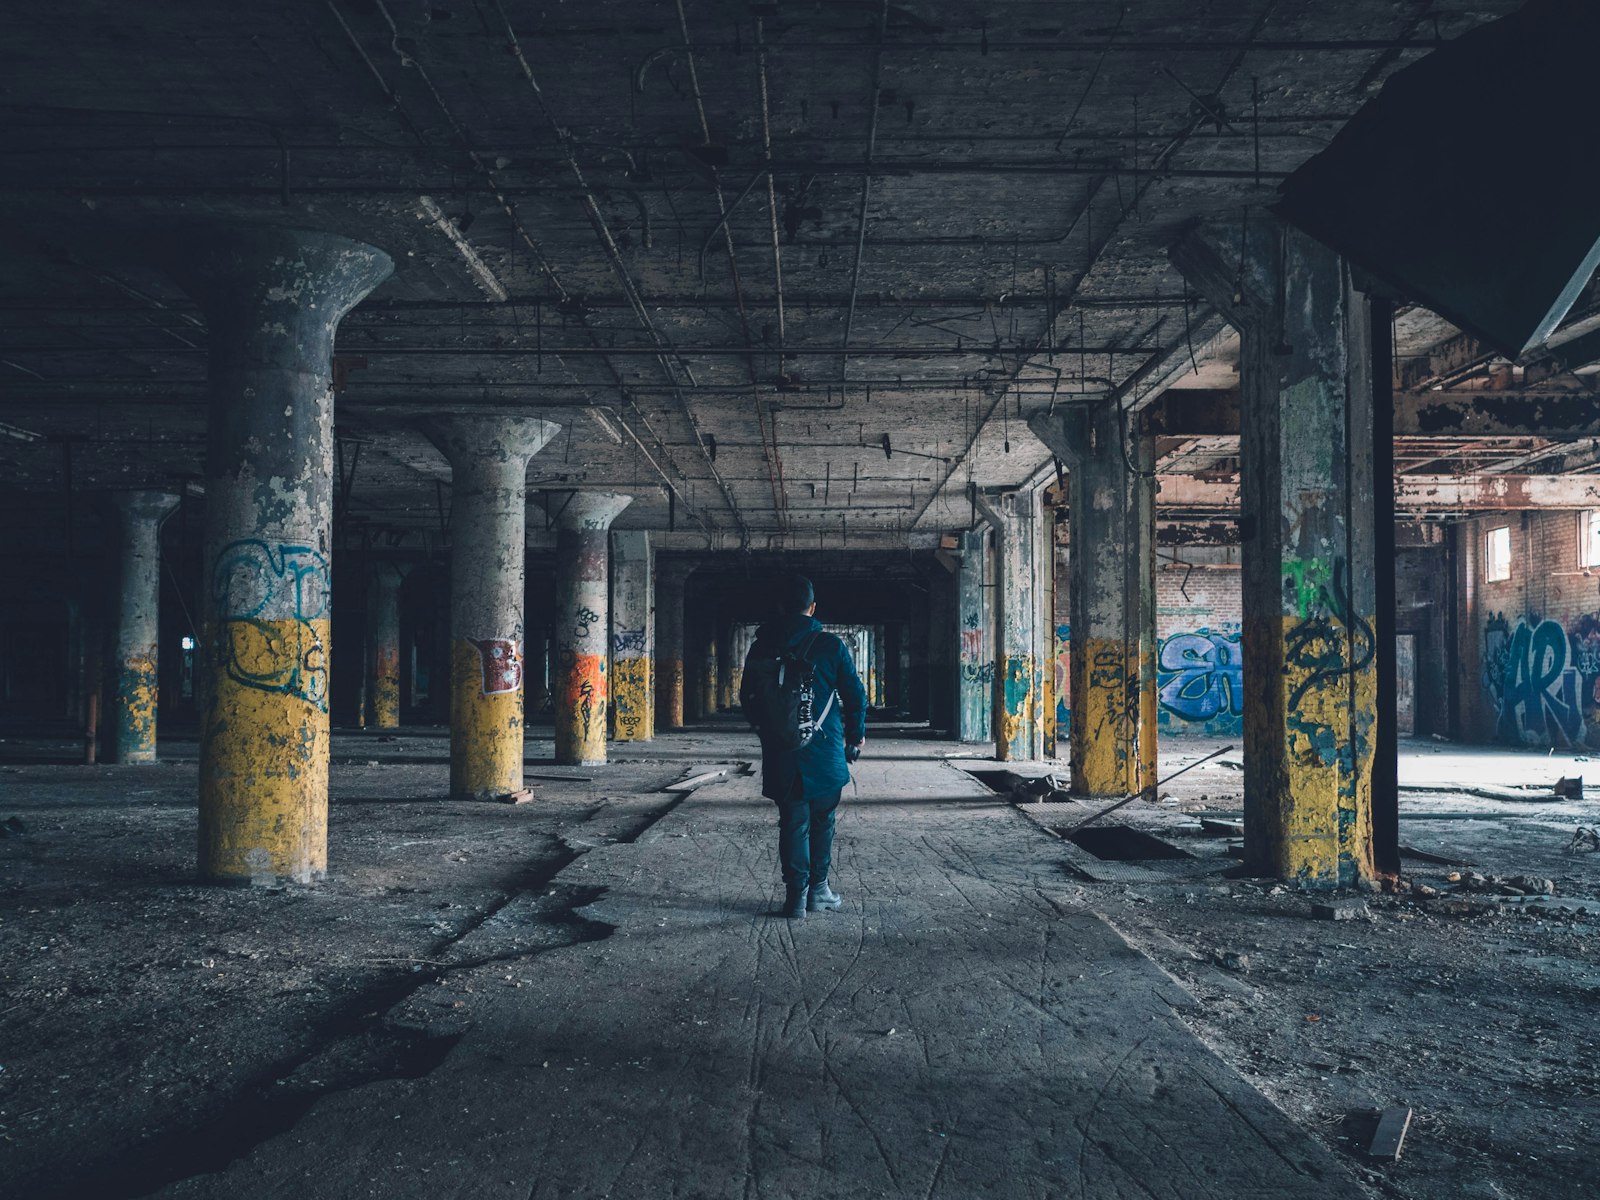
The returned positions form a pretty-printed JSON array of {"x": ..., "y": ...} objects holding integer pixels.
[{"x": 587, "y": 996}]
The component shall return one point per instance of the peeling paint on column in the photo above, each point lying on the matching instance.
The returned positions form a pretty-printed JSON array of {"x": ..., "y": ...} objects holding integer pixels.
[
  {"x": 1110, "y": 692},
  {"x": 1307, "y": 579},
  {"x": 582, "y": 622},
  {"x": 633, "y": 637},
  {"x": 489, "y": 457},
  {"x": 485, "y": 726},
  {"x": 976, "y": 652},
  {"x": 708, "y": 677},
  {"x": 1018, "y": 731},
  {"x": 383, "y": 668},
  {"x": 139, "y": 516},
  {"x": 273, "y": 299},
  {"x": 670, "y": 680}
]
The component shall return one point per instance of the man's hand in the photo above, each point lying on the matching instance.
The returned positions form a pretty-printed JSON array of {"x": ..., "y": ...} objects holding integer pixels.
[{"x": 852, "y": 752}]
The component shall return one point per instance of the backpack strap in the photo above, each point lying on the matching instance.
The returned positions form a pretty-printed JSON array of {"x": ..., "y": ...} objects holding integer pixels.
[{"x": 805, "y": 655}]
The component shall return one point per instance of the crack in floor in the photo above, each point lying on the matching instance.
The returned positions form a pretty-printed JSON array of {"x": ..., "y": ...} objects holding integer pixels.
[{"x": 356, "y": 1031}]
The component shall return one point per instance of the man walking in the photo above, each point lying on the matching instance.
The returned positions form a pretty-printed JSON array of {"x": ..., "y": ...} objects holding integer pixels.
[{"x": 803, "y": 695}]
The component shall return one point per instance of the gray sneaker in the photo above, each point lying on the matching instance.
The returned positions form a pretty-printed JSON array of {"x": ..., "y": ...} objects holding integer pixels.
[{"x": 822, "y": 896}]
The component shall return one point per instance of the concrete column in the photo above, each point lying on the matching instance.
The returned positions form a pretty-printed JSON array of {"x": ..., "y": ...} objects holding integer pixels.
[
  {"x": 272, "y": 299},
  {"x": 708, "y": 670},
  {"x": 936, "y": 662},
  {"x": 488, "y": 566},
  {"x": 1046, "y": 638},
  {"x": 1306, "y": 471},
  {"x": 133, "y": 719},
  {"x": 582, "y": 625},
  {"x": 670, "y": 644},
  {"x": 538, "y": 665},
  {"x": 439, "y": 660},
  {"x": 1111, "y": 504},
  {"x": 633, "y": 637},
  {"x": 383, "y": 637},
  {"x": 976, "y": 683},
  {"x": 743, "y": 639},
  {"x": 1016, "y": 726},
  {"x": 725, "y": 695}
]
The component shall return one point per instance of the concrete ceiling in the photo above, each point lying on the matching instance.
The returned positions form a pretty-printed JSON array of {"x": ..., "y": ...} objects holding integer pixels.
[{"x": 598, "y": 239}]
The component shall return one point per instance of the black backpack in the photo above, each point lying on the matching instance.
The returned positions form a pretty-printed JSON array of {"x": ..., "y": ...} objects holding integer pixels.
[{"x": 781, "y": 698}]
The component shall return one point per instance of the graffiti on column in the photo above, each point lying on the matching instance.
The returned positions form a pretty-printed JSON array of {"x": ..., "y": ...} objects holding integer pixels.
[
  {"x": 501, "y": 659},
  {"x": 1063, "y": 665},
  {"x": 1328, "y": 622},
  {"x": 1200, "y": 680},
  {"x": 1328, "y": 655},
  {"x": 973, "y": 668},
  {"x": 1531, "y": 674},
  {"x": 267, "y": 597},
  {"x": 627, "y": 642},
  {"x": 583, "y": 620}
]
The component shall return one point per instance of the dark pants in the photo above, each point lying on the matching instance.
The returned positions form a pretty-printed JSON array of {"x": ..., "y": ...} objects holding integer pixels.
[{"x": 805, "y": 837}]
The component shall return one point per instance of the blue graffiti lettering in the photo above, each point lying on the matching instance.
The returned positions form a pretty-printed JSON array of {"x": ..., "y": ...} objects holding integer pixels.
[
  {"x": 1200, "y": 676},
  {"x": 1539, "y": 693}
]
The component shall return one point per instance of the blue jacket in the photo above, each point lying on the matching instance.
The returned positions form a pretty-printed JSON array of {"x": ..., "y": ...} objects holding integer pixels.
[{"x": 820, "y": 763}]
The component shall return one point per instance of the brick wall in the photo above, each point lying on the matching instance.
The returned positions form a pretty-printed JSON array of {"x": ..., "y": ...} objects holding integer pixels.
[
  {"x": 1528, "y": 647},
  {"x": 1198, "y": 668}
]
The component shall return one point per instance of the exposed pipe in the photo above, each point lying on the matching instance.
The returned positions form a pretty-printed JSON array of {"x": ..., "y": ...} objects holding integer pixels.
[
  {"x": 774, "y": 459},
  {"x": 603, "y": 232},
  {"x": 722, "y": 221},
  {"x": 379, "y": 350},
  {"x": 866, "y": 190},
  {"x": 766, "y": 155},
  {"x": 1155, "y": 168},
  {"x": 487, "y": 173}
]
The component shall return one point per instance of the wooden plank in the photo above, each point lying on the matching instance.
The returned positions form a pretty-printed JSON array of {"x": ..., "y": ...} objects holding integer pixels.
[{"x": 1390, "y": 1134}]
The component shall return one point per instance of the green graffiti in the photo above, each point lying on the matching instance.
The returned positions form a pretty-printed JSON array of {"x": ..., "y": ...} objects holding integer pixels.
[{"x": 1305, "y": 583}]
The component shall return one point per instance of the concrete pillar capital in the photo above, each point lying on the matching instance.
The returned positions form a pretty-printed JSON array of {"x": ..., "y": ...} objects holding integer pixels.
[
  {"x": 142, "y": 505},
  {"x": 273, "y": 294},
  {"x": 388, "y": 576},
  {"x": 488, "y": 443},
  {"x": 1234, "y": 264},
  {"x": 581, "y": 511},
  {"x": 673, "y": 571}
]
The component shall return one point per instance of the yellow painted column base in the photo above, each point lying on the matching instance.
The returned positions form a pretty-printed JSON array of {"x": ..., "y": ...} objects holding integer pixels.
[
  {"x": 264, "y": 753},
  {"x": 1309, "y": 733},
  {"x": 386, "y": 689},
  {"x": 1113, "y": 718},
  {"x": 485, "y": 725},
  {"x": 136, "y": 710},
  {"x": 672, "y": 712},
  {"x": 632, "y": 687}
]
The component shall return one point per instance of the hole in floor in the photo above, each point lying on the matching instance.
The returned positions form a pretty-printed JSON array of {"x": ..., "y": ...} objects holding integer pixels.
[
  {"x": 999, "y": 782},
  {"x": 1120, "y": 843}
]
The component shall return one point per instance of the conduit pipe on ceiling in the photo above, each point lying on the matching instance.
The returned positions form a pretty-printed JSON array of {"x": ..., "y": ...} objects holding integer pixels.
[
  {"x": 866, "y": 188},
  {"x": 1157, "y": 165},
  {"x": 769, "y": 431},
  {"x": 489, "y": 177},
  {"x": 614, "y": 255}
]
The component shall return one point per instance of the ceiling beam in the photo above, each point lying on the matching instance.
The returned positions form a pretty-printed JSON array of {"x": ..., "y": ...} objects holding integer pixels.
[
  {"x": 1417, "y": 493},
  {"x": 1556, "y": 416}
]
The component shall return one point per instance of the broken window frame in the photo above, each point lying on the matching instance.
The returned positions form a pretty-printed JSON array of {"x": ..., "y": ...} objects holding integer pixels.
[
  {"x": 1589, "y": 537},
  {"x": 1497, "y": 561}
]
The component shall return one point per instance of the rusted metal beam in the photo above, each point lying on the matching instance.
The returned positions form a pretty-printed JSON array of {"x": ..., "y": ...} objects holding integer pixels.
[
  {"x": 1555, "y": 416},
  {"x": 1416, "y": 493}
]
